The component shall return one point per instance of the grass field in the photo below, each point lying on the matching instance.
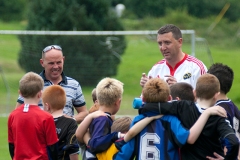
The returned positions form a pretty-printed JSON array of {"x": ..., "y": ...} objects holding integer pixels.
[{"x": 139, "y": 57}]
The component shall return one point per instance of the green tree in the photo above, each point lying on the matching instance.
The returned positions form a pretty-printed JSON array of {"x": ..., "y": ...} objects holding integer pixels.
[
  {"x": 88, "y": 58},
  {"x": 12, "y": 9},
  {"x": 197, "y": 8}
]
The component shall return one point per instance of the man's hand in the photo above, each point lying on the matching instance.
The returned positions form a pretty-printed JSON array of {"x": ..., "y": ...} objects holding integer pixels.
[
  {"x": 170, "y": 80},
  {"x": 144, "y": 79}
]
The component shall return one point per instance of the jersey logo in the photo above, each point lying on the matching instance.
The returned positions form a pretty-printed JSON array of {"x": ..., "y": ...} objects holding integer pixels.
[
  {"x": 187, "y": 75},
  {"x": 58, "y": 130}
]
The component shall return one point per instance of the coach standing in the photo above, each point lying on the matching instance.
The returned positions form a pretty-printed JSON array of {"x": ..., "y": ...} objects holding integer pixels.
[
  {"x": 176, "y": 66},
  {"x": 52, "y": 61}
]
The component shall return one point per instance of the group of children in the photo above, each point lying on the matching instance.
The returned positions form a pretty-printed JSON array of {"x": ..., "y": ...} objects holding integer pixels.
[
  {"x": 190, "y": 127},
  {"x": 37, "y": 134}
]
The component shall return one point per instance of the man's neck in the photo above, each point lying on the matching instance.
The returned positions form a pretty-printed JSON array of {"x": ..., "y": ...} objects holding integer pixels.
[
  {"x": 175, "y": 61},
  {"x": 55, "y": 81}
]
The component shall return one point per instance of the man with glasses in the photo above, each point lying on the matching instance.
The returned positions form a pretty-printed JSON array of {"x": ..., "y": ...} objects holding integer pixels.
[{"x": 52, "y": 61}]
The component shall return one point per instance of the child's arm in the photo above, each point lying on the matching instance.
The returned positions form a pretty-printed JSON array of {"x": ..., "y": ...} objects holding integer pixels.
[
  {"x": 218, "y": 157},
  {"x": 73, "y": 157},
  {"x": 138, "y": 127},
  {"x": 196, "y": 129},
  {"x": 83, "y": 126},
  {"x": 86, "y": 137}
]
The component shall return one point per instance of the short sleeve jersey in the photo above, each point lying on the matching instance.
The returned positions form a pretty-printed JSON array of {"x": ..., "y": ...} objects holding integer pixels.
[
  {"x": 101, "y": 136},
  {"x": 66, "y": 128},
  {"x": 158, "y": 140},
  {"x": 73, "y": 91},
  {"x": 31, "y": 132},
  {"x": 187, "y": 70},
  {"x": 233, "y": 114}
]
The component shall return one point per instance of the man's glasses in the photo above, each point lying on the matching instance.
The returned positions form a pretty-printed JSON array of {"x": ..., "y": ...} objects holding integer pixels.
[{"x": 48, "y": 48}]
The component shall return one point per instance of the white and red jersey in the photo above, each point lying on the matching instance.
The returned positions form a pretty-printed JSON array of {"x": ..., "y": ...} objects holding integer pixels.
[{"x": 187, "y": 70}]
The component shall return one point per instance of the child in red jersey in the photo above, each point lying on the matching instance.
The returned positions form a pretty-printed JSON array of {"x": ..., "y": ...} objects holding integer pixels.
[{"x": 31, "y": 131}]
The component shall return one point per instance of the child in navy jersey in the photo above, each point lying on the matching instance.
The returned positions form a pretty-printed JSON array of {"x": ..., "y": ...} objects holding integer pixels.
[
  {"x": 109, "y": 94},
  {"x": 225, "y": 76}
]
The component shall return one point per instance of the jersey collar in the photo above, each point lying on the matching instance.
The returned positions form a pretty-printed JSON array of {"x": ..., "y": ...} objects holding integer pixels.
[
  {"x": 172, "y": 70},
  {"x": 64, "y": 78}
]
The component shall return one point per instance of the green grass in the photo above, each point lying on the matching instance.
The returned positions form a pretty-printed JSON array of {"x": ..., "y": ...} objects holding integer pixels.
[
  {"x": 4, "y": 154},
  {"x": 139, "y": 57}
]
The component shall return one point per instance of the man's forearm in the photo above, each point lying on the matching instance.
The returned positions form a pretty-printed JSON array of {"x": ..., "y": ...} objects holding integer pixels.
[{"x": 80, "y": 116}]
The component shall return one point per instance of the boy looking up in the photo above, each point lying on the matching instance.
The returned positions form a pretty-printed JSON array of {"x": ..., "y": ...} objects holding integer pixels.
[
  {"x": 65, "y": 127},
  {"x": 217, "y": 131},
  {"x": 31, "y": 131}
]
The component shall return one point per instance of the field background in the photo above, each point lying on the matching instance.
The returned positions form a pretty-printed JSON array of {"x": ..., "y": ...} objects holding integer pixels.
[{"x": 139, "y": 57}]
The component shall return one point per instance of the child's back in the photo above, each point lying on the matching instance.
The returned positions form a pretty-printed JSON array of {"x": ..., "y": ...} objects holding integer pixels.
[
  {"x": 30, "y": 129},
  {"x": 161, "y": 138},
  {"x": 65, "y": 126},
  {"x": 33, "y": 129},
  {"x": 225, "y": 76}
]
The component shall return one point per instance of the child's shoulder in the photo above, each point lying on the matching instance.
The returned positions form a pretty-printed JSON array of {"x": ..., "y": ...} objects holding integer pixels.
[{"x": 102, "y": 120}]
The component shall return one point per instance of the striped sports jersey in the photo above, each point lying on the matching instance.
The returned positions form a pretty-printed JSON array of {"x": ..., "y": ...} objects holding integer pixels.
[
  {"x": 216, "y": 133},
  {"x": 158, "y": 140},
  {"x": 73, "y": 91},
  {"x": 187, "y": 70},
  {"x": 233, "y": 114}
]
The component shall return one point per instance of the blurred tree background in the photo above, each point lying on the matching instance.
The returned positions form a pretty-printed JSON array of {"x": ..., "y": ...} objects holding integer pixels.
[
  {"x": 82, "y": 52},
  {"x": 88, "y": 15}
]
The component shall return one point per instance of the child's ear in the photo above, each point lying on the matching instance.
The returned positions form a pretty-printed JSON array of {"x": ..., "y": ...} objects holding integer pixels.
[
  {"x": 216, "y": 96},
  {"x": 39, "y": 95},
  {"x": 118, "y": 102},
  {"x": 169, "y": 98},
  {"x": 20, "y": 92},
  {"x": 46, "y": 106},
  {"x": 194, "y": 93}
]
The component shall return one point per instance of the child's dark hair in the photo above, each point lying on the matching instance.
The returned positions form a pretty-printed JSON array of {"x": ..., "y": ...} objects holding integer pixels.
[
  {"x": 224, "y": 74},
  {"x": 183, "y": 91}
]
